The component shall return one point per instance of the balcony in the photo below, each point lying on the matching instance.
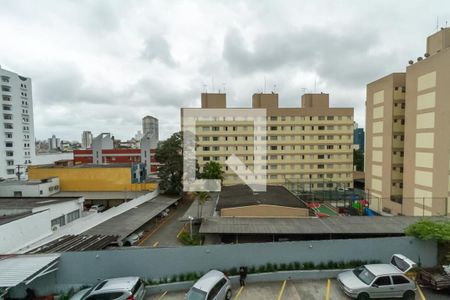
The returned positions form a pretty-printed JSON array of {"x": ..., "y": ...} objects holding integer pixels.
[{"x": 6, "y": 88}]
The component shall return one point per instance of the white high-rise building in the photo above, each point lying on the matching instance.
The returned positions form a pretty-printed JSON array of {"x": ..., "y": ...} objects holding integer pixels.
[
  {"x": 150, "y": 127},
  {"x": 17, "y": 148},
  {"x": 86, "y": 140}
]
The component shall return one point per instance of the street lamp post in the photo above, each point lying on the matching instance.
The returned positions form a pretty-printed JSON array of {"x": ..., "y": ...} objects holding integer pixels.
[{"x": 190, "y": 225}]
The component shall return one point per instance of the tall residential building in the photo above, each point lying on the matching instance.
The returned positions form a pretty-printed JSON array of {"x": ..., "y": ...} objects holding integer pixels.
[
  {"x": 385, "y": 125},
  {"x": 310, "y": 145},
  {"x": 86, "y": 140},
  {"x": 422, "y": 169},
  {"x": 54, "y": 143},
  {"x": 150, "y": 126},
  {"x": 17, "y": 148}
]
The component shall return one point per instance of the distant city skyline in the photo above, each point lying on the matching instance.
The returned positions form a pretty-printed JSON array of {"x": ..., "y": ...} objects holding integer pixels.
[{"x": 104, "y": 65}]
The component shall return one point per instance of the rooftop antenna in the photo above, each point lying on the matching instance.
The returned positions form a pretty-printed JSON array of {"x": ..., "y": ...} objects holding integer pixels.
[
  {"x": 224, "y": 86},
  {"x": 274, "y": 88},
  {"x": 205, "y": 87}
]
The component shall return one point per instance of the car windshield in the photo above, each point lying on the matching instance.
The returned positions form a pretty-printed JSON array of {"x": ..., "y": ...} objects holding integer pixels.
[
  {"x": 364, "y": 275},
  {"x": 87, "y": 293},
  {"x": 195, "y": 294}
]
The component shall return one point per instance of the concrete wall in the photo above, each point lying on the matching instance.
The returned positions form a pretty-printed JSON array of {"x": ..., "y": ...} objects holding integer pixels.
[
  {"x": 150, "y": 263},
  {"x": 265, "y": 211}
]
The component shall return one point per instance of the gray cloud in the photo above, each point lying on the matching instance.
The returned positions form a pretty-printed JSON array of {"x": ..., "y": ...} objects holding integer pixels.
[{"x": 157, "y": 48}]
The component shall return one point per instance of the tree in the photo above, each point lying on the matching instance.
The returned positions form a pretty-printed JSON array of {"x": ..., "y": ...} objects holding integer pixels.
[
  {"x": 202, "y": 197},
  {"x": 358, "y": 160},
  {"x": 212, "y": 170},
  {"x": 429, "y": 230},
  {"x": 170, "y": 155}
]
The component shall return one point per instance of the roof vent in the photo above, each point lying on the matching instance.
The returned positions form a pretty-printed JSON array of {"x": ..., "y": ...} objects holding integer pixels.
[
  {"x": 419, "y": 58},
  {"x": 410, "y": 62},
  {"x": 427, "y": 54}
]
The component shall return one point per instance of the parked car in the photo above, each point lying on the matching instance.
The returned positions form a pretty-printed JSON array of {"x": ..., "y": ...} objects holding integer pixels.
[
  {"x": 133, "y": 238},
  {"x": 123, "y": 288},
  {"x": 214, "y": 285},
  {"x": 380, "y": 280},
  {"x": 97, "y": 208}
]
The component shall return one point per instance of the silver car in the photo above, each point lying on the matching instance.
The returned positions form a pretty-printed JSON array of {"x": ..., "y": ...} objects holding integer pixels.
[
  {"x": 124, "y": 288},
  {"x": 380, "y": 280},
  {"x": 214, "y": 285}
]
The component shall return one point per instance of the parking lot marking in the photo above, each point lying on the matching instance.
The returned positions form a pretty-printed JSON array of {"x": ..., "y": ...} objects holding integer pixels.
[
  {"x": 155, "y": 244},
  {"x": 162, "y": 296},
  {"x": 280, "y": 294},
  {"x": 422, "y": 296},
  {"x": 156, "y": 229},
  {"x": 238, "y": 293},
  {"x": 327, "y": 297}
]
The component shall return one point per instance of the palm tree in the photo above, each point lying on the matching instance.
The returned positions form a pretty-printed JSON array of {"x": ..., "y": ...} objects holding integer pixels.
[{"x": 202, "y": 197}]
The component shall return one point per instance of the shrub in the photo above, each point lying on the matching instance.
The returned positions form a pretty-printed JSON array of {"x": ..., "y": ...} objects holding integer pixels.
[{"x": 186, "y": 239}]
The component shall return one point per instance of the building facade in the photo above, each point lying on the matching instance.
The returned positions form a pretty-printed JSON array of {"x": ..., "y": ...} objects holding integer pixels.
[
  {"x": 150, "y": 126},
  {"x": 17, "y": 148},
  {"x": 385, "y": 125},
  {"x": 54, "y": 143},
  {"x": 310, "y": 145},
  {"x": 358, "y": 139},
  {"x": 86, "y": 139},
  {"x": 412, "y": 160},
  {"x": 29, "y": 188}
]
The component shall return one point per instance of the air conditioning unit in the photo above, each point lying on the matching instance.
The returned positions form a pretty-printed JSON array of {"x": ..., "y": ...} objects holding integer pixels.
[{"x": 55, "y": 227}]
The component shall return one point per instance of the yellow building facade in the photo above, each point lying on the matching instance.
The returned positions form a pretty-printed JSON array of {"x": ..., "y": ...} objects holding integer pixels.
[{"x": 90, "y": 179}]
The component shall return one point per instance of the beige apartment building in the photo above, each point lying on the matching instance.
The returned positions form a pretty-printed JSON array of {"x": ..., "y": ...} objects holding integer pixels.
[
  {"x": 310, "y": 145},
  {"x": 426, "y": 161}
]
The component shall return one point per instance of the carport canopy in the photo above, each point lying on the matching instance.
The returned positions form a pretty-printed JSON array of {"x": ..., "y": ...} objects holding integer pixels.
[{"x": 25, "y": 268}]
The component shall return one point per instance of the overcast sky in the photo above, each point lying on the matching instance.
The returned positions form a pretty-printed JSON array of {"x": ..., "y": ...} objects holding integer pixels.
[{"x": 103, "y": 65}]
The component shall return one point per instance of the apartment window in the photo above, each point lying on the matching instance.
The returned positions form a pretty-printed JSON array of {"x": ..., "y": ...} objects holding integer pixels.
[
  {"x": 205, "y": 148},
  {"x": 6, "y": 98},
  {"x": 321, "y": 137},
  {"x": 321, "y": 118},
  {"x": 215, "y": 138},
  {"x": 206, "y": 158},
  {"x": 59, "y": 221},
  {"x": 330, "y": 118},
  {"x": 205, "y": 128},
  {"x": 330, "y": 137},
  {"x": 235, "y": 138},
  {"x": 10, "y": 171},
  {"x": 321, "y": 156},
  {"x": 6, "y": 88},
  {"x": 216, "y": 148},
  {"x": 8, "y": 144},
  {"x": 273, "y": 167},
  {"x": 5, "y": 79},
  {"x": 72, "y": 216},
  {"x": 273, "y": 138},
  {"x": 330, "y": 127},
  {"x": 205, "y": 138},
  {"x": 403, "y": 122},
  {"x": 273, "y": 157},
  {"x": 6, "y": 107},
  {"x": 234, "y": 128},
  {"x": 215, "y": 128},
  {"x": 273, "y": 118},
  {"x": 8, "y": 126},
  {"x": 320, "y": 166},
  {"x": 273, "y": 147},
  {"x": 273, "y": 128},
  {"x": 273, "y": 176},
  {"x": 216, "y": 158},
  {"x": 10, "y": 162}
]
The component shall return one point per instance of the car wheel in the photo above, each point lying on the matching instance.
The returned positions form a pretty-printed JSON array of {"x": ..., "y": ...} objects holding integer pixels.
[
  {"x": 228, "y": 295},
  {"x": 409, "y": 295},
  {"x": 363, "y": 296}
]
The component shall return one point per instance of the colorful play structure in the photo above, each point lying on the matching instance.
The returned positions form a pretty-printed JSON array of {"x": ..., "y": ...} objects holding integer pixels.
[
  {"x": 362, "y": 206},
  {"x": 322, "y": 209}
]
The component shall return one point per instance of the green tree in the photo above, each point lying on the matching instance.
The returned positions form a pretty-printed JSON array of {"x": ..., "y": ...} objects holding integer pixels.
[
  {"x": 358, "y": 160},
  {"x": 429, "y": 230},
  {"x": 212, "y": 170},
  {"x": 170, "y": 155},
  {"x": 202, "y": 198}
]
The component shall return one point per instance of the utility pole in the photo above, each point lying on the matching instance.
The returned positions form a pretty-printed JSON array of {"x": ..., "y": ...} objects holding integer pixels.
[{"x": 18, "y": 173}]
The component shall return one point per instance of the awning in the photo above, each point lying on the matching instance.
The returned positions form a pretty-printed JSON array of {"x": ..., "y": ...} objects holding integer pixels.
[{"x": 26, "y": 268}]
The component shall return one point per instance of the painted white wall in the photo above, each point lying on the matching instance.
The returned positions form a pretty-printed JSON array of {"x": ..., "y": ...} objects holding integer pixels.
[
  {"x": 22, "y": 232},
  {"x": 60, "y": 209},
  {"x": 31, "y": 190}
]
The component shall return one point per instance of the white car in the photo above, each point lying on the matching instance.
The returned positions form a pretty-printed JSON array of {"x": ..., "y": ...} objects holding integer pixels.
[
  {"x": 214, "y": 285},
  {"x": 123, "y": 288},
  {"x": 380, "y": 280},
  {"x": 133, "y": 238},
  {"x": 97, "y": 208}
]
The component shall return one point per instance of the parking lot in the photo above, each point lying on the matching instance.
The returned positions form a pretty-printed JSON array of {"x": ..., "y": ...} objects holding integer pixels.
[{"x": 290, "y": 290}]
